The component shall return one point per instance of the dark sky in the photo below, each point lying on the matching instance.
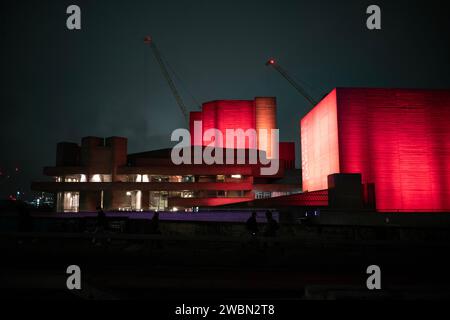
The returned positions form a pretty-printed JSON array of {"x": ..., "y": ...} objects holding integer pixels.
[{"x": 61, "y": 85}]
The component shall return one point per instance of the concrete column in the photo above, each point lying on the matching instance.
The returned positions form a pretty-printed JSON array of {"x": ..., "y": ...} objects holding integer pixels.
[
  {"x": 145, "y": 200},
  {"x": 59, "y": 202}
]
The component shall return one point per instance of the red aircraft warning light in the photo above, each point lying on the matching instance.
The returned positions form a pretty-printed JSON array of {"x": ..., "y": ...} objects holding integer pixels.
[
  {"x": 270, "y": 62},
  {"x": 148, "y": 40},
  {"x": 273, "y": 63}
]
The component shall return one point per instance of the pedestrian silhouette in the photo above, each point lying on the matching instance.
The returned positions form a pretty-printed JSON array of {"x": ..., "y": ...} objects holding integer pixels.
[
  {"x": 101, "y": 225},
  {"x": 102, "y": 222},
  {"x": 252, "y": 225},
  {"x": 272, "y": 225},
  {"x": 154, "y": 224}
]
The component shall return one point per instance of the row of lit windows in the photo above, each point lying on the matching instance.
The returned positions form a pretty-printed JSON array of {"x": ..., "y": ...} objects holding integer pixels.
[
  {"x": 157, "y": 200},
  {"x": 140, "y": 178},
  {"x": 83, "y": 178},
  {"x": 269, "y": 194}
]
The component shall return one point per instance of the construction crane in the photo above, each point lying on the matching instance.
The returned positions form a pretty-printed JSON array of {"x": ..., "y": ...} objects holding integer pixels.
[
  {"x": 276, "y": 66},
  {"x": 148, "y": 40}
]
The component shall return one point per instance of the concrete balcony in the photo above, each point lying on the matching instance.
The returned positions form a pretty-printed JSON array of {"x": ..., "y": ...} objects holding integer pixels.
[
  {"x": 53, "y": 187},
  {"x": 206, "y": 202}
]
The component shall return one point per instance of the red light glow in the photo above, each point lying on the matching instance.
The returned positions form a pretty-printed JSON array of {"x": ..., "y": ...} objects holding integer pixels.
[{"x": 229, "y": 114}]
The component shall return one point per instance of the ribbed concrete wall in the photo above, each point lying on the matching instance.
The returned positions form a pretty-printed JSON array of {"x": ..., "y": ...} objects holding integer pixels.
[
  {"x": 266, "y": 118},
  {"x": 398, "y": 139},
  {"x": 229, "y": 114},
  {"x": 319, "y": 143}
]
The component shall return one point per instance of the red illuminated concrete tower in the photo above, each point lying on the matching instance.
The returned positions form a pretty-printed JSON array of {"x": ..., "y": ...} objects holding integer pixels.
[
  {"x": 229, "y": 114},
  {"x": 398, "y": 139},
  {"x": 258, "y": 115}
]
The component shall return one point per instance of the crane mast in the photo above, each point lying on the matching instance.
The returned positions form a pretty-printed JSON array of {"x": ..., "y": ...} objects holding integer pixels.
[
  {"x": 277, "y": 67},
  {"x": 173, "y": 88}
]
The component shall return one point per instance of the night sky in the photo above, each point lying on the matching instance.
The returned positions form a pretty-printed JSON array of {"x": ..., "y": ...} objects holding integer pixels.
[{"x": 60, "y": 85}]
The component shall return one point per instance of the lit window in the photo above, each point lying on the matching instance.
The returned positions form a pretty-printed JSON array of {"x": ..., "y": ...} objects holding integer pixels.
[{"x": 96, "y": 178}]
